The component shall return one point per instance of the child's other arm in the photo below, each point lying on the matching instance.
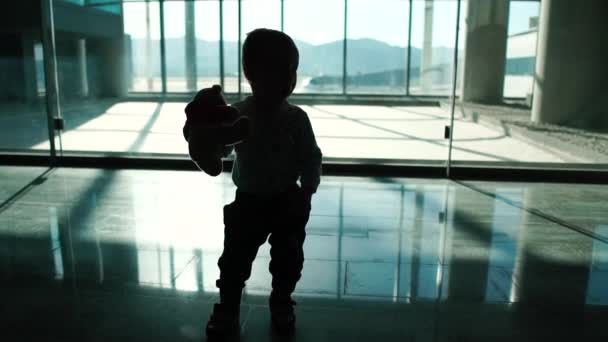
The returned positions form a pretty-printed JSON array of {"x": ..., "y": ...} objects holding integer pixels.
[{"x": 310, "y": 157}]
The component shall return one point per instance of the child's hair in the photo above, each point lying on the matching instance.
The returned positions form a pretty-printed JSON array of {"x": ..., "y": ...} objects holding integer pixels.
[{"x": 266, "y": 49}]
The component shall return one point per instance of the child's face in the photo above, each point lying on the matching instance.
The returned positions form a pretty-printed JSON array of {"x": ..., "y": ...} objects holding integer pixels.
[{"x": 273, "y": 86}]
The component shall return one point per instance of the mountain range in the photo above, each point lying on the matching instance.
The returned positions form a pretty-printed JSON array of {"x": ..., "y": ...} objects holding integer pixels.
[{"x": 364, "y": 56}]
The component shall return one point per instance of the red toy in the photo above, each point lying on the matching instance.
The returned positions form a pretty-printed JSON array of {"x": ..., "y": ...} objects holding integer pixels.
[{"x": 210, "y": 126}]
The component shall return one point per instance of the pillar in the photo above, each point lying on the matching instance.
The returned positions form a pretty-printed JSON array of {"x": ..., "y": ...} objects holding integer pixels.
[
  {"x": 190, "y": 47},
  {"x": 427, "y": 48},
  {"x": 17, "y": 73},
  {"x": 81, "y": 56},
  {"x": 148, "y": 52},
  {"x": 485, "y": 51},
  {"x": 29, "y": 68},
  {"x": 571, "y": 68}
]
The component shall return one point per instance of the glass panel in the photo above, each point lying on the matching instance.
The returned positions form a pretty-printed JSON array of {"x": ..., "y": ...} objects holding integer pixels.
[
  {"x": 377, "y": 46},
  {"x": 259, "y": 14},
  {"x": 207, "y": 43},
  {"x": 433, "y": 24},
  {"x": 321, "y": 48},
  {"x": 231, "y": 48},
  {"x": 511, "y": 124},
  {"x": 521, "y": 49},
  {"x": 176, "y": 46},
  {"x": 101, "y": 56},
  {"x": 142, "y": 31},
  {"x": 23, "y": 118}
]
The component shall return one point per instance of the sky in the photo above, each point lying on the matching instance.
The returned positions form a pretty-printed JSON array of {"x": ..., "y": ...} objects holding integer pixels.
[{"x": 315, "y": 21}]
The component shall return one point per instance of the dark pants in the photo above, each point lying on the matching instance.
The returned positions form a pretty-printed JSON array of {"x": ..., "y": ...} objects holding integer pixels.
[{"x": 248, "y": 221}]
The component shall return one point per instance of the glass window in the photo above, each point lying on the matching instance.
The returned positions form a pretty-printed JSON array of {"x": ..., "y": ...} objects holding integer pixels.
[
  {"x": 175, "y": 46},
  {"x": 317, "y": 26},
  {"x": 231, "y": 48},
  {"x": 142, "y": 30},
  {"x": 22, "y": 103},
  {"x": 433, "y": 38},
  {"x": 258, "y": 14},
  {"x": 207, "y": 43},
  {"x": 521, "y": 49},
  {"x": 377, "y": 46}
]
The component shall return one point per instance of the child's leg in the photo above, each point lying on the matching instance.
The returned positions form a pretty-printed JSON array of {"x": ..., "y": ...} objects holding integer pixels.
[
  {"x": 287, "y": 252},
  {"x": 243, "y": 235}
]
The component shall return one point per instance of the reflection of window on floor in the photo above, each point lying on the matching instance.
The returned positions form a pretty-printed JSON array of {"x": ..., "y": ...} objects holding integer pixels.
[
  {"x": 429, "y": 275},
  {"x": 391, "y": 243},
  {"x": 597, "y": 291},
  {"x": 56, "y": 243},
  {"x": 381, "y": 242},
  {"x": 166, "y": 267},
  {"x": 506, "y": 223}
]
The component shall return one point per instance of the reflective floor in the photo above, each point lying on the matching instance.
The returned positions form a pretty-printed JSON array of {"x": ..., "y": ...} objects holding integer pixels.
[{"x": 131, "y": 255}]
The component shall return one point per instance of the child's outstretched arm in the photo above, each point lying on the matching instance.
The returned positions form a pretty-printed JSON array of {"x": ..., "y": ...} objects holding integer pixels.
[{"x": 227, "y": 150}]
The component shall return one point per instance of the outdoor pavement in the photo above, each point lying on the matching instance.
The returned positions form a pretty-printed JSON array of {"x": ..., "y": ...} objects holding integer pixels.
[{"x": 343, "y": 131}]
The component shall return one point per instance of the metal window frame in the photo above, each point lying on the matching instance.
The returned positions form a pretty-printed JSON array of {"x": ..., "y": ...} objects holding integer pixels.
[
  {"x": 239, "y": 48},
  {"x": 221, "y": 42},
  {"x": 163, "y": 52},
  {"x": 53, "y": 108},
  {"x": 409, "y": 49},
  {"x": 454, "y": 84},
  {"x": 345, "y": 50},
  {"x": 282, "y": 15},
  {"x": 239, "y": 92}
]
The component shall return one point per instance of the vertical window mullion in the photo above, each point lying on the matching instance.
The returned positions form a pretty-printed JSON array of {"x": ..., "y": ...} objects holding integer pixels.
[
  {"x": 409, "y": 50},
  {"x": 163, "y": 57},
  {"x": 344, "y": 48},
  {"x": 221, "y": 42}
]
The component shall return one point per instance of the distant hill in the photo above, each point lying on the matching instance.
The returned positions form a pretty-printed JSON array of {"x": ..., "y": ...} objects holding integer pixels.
[{"x": 364, "y": 56}]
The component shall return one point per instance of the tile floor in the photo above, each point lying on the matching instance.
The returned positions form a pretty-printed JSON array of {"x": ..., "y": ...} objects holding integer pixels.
[{"x": 102, "y": 255}]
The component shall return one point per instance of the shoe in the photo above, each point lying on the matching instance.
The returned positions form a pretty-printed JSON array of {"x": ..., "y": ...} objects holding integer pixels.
[
  {"x": 223, "y": 323},
  {"x": 282, "y": 315}
]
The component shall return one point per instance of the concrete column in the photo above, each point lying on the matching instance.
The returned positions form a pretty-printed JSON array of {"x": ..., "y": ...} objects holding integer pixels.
[
  {"x": 16, "y": 59},
  {"x": 571, "y": 69},
  {"x": 110, "y": 73},
  {"x": 115, "y": 68},
  {"x": 81, "y": 55},
  {"x": 485, "y": 51},
  {"x": 29, "y": 68},
  {"x": 426, "y": 80},
  {"x": 148, "y": 51},
  {"x": 190, "y": 47}
]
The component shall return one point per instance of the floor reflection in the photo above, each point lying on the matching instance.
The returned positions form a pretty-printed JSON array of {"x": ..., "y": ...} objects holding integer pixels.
[
  {"x": 390, "y": 243},
  {"x": 597, "y": 291}
]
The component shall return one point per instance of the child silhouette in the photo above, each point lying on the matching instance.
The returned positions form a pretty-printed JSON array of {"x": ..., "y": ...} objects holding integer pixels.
[{"x": 280, "y": 150}]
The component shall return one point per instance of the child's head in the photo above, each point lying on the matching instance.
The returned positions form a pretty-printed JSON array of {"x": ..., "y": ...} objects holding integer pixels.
[{"x": 270, "y": 63}]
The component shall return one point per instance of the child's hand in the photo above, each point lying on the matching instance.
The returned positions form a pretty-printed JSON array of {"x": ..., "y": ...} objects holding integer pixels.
[
  {"x": 300, "y": 201},
  {"x": 307, "y": 192}
]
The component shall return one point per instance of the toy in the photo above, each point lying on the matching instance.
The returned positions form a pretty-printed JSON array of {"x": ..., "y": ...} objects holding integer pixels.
[{"x": 210, "y": 126}]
